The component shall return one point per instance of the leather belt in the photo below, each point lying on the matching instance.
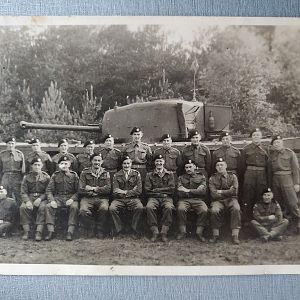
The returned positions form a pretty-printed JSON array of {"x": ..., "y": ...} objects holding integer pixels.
[
  {"x": 255, "y": 168},
  {"x": 289, "y": 172},
  {"x": 138, "y": 166},
  {"x": 12, "y": 172}
]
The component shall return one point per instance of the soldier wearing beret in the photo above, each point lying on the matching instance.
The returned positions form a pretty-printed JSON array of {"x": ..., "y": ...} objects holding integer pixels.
[
  {"x": 38, "y": 153},
  {"x": 62, "y": 192},
  {"x": 83, "y": 160},
  {"x": 254, "y": 159},
  {"x": 230, "y": 154},
  {"x": 12, "y": 169},
  {"x": 192, "y": 191},
  {"x": 8, "y": 211},
  {"x": 198, "y": 153},
  {"x": 268, "y": 220},
  {"x": 33, "y": 193},
  {"x": 140, "y": 153},
  {"x": 223, "y": 188},
  {"x": 159, "y": 188},
  {"x": 63, "y": 146},
  {"x": 284, "y": 172},
  {"x": 94, "y": 189},
  {"x": 127, "y": 189},
  {"x": 112, "y": 156},
  {"x": 171, "y": 155}
]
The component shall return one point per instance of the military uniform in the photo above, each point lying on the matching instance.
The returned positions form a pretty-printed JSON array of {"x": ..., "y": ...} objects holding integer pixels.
[
  {"x": 228, "y": 184},
  {"x": 62, "y": 187},
  {"x": 262, "y": 223},
  {"x": 12, "y": 168},
  {"x": 231, "y": 155},
  {"x": 33, "y": 186},
  {"x": 111, "y": 160},
  {"x": 200, "y": 154},
  {"x": 172, "y": 157},
  {"x": 46, "y": 160},
  {"x": 98, "y": 199},
  {"x": 140, "y": 154},
  {"x": 58, "y": 156},
  {"x": 159, "y": 188},
  {"x": 131, "y": 183},
  {"x": 194, "y": 199},
  {"x": 254, "y": 160},
  {"x": 284, "y": 169},
  {"x": 8, "y": 211},
  {"x": 82, "y": 162}
]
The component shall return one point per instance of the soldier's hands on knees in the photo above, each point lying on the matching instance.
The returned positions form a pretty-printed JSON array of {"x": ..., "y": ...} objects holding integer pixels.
[
  {"x": 69, "y": 202},
  {"x": 29, "y": 205},
  {"x": 53, "y": 204},
  {"x": 37, "y": 202},
  {"x": 297, "y": 188},
  {"x": 272, "y": 217},
  {"x": 89, "y": 188}
]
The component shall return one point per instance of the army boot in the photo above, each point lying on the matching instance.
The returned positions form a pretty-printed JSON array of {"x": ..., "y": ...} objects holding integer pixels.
[{"x": 26, "y": 229}]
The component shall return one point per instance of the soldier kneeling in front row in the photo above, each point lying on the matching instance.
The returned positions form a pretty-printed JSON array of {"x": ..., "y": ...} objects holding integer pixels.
[
  {"x": 33, "y": 194},
  {"x": 268, "y": 221},
  {"x": 223, "y": 187},
  {"x": 192, "y": 191},
  {"x": 8, "y": 211}
]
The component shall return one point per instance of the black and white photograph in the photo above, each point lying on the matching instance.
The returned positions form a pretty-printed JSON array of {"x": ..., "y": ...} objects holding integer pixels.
[{"x": 150, "y": 142}]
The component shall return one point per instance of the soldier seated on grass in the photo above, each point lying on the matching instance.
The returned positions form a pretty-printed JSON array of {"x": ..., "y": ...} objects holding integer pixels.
[
  {"x": 8, "y": 211},
  {"x": 268, "y": 221}
]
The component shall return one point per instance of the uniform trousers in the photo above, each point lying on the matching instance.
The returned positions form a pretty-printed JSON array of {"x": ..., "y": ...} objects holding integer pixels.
[
  {"x": 131, "y": 204},
  {"x": 274, "y": 229},
  {"x": 12, "y": 183}
]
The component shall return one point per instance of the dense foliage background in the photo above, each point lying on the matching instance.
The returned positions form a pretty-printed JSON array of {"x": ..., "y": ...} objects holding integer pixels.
[{"x": 72, "y": 75}]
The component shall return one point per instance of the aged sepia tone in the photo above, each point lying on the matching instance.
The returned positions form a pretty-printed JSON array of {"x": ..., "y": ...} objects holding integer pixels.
[{"x": 167, "y": 143}]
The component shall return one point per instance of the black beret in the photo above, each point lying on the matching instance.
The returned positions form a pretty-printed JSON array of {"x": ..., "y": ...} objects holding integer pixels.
[
  {"x": 34, "y": 141},
  {"x": 158, "y": 156},
  {"x": 62, "y": 141},
  {"x": 108, "y": 136},
  {"x": 275, "y": 137},
  {"x": 225, "y": 133},
  {"x": 190, "y": 161},
  {"x": 220, "y": 159},
  {"x": 165, "y": 136},
  {"x": 90, "y": 142},
  {"x": 64, "y": 158},
  {"x": 267, "y": 190},
  {"x": 94, "y": 155},
  {"x": 35, "y": 160},
  {"x": 193, "y": 132},
  {"x": 135, "y": 129},
  {"x": 10, "y": 139},
  {"x": 254, "y": 130},
  {"x": 126, "y": 157}
]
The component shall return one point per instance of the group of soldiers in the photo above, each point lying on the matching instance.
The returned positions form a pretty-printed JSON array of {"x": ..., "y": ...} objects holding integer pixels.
[{"x": 102, "y": 184}]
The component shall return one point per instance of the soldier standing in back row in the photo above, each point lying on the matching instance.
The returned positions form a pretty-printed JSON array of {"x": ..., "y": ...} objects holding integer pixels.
[
  {"x": 198, "y": 153},
  {"x": 230, "y": 154},
  {"x": 83, "y": 159},
  {"x": 38, "y": 153},
  {"x": 111, "y": 156},
  {"x": 12, "y": 169},
  {"x": 140, "y": 153},
  {"x": 8, "y": 211},
  {"x": 33, "y": 192},
  {"x": 284, "y": 169},
  {"x": 63, "y": 146},
  {"x": 254, "y": 160}
]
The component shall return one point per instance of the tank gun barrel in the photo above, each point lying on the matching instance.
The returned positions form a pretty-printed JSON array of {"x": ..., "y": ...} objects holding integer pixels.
[{"x": 28, "y": 125}]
